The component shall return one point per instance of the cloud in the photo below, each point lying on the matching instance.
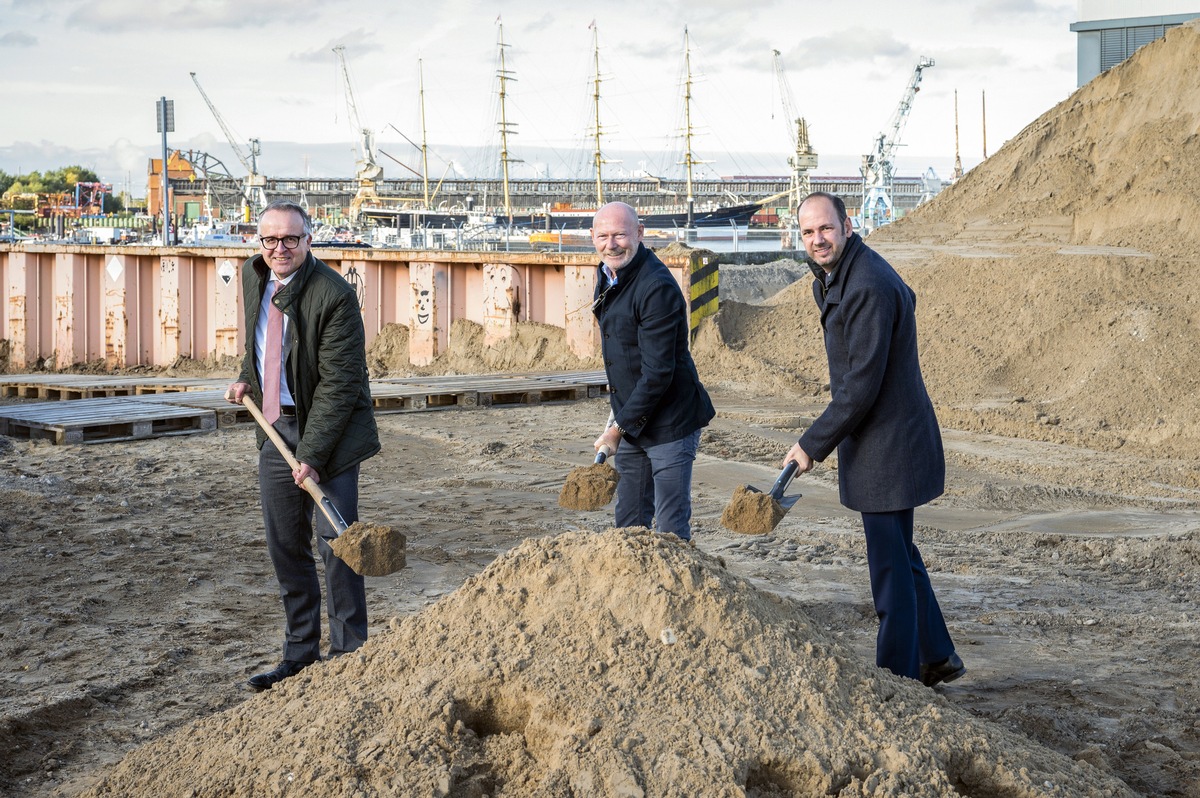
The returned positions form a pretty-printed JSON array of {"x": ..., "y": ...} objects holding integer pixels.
[
  {"x": 17, "y": 38},
  {"x": 546, "y": 22},
  {"x": 859, "y": 51},
  {"x": 357, "y": 43},
  {"x": 118, "y": 16},
  {"x": 1009, "y": 10}
]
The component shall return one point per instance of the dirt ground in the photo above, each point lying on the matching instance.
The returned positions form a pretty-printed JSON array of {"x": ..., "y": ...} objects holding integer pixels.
[{"x": 139, "y": 597}]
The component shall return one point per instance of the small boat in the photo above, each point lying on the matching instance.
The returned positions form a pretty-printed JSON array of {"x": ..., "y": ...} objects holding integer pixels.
[{"x": 217, "y": 233}]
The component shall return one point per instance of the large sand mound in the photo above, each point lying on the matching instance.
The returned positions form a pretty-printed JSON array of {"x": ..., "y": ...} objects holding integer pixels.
[
  {"x": 1116, "y": 163},
  {"x": 1057, "y": 282},
  {"x": 620, "y": 663}
]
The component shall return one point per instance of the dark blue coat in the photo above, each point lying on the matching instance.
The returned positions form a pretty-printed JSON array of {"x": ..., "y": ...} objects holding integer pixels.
[
  {"x": 655, "y": 392},
  {"x": 879, "y": 416}
]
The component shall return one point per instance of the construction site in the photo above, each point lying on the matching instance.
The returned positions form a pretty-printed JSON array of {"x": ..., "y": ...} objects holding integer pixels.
[{"x": 530, "y": 650}]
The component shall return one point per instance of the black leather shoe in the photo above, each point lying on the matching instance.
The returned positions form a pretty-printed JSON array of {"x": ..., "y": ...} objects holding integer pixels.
[
  {"x": 285, "y": 669},
  {"x": 947, "y": 670}
]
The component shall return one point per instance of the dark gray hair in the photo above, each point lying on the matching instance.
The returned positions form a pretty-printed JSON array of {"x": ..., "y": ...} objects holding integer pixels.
[{"x": 288, "y": 205}]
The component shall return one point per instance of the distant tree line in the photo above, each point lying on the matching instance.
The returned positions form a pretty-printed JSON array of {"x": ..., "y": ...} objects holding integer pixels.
[{"x": 56, "y": 181}]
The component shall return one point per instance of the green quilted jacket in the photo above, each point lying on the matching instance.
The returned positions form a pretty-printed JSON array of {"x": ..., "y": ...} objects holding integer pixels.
[{"x": 326, "y": 364}]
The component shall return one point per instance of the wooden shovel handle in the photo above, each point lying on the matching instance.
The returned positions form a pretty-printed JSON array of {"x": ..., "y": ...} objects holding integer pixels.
[{"x": 314, "y": 490}]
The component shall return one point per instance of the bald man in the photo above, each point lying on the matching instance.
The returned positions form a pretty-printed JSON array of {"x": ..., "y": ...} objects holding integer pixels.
[{"x": 658, "y": 403}]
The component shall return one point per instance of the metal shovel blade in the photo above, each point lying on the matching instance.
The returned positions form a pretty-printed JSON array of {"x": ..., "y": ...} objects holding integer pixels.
[{"x": 776, "y": 491}]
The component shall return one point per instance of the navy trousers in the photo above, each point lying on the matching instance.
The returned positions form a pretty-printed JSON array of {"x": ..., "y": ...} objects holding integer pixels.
[
  {"x": 288, "y": 517},
  {"x": 911, "y": 628}
]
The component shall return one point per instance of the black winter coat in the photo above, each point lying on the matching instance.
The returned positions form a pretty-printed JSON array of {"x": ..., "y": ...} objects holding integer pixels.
[
  {"x": 655, "y": 392},
  {"x": 879, "y": 416}
]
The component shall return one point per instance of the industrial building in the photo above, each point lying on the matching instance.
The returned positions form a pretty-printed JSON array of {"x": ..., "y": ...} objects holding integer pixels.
[{"x": 1112, "y": 30}]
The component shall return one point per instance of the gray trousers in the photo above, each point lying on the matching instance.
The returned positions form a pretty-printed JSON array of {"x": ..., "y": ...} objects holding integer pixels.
[{"x": 288, "y": 517}]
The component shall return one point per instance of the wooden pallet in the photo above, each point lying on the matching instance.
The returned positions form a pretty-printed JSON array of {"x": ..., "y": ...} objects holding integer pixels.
[
  {"x": 49, "y": 387},
  {"x": 213, "y": 400},
  {"x": 425, "y": 393},
  {"x": 102, "y": 420},
  {"x": 131, "y": 408}
]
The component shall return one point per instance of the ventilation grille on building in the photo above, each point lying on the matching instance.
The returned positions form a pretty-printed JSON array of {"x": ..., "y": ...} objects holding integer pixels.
[{"x": 1117, "y": 44}]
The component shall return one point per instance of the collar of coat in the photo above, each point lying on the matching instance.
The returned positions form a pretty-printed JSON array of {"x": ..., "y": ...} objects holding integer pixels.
[
  {"x": 848, "y": 254},
  {"x": 294, "y": 287}
]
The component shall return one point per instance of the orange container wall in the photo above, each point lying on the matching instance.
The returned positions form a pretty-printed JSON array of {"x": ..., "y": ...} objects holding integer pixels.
[{"x": 141, "y": 305}]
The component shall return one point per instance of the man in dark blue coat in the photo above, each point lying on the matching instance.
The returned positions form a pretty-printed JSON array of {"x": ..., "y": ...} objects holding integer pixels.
[
  {"x": 658, "y": 403},
  {"x": 881, "y": 422}
]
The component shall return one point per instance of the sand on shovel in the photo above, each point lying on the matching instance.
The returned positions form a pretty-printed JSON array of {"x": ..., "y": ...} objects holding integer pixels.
[
  {"x": 751, "y": 512},
  {"x": 589, "y": 487},
  {"x": 371, "y": 549}
]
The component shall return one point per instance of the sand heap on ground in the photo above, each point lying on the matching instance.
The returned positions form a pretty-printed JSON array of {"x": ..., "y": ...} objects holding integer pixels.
[
  {"x": 1116, "y": 163},
  {"x": 1083, "y": 345},
  {"x": 531, "y": 347},
  {"x": 615, "y": 664}
]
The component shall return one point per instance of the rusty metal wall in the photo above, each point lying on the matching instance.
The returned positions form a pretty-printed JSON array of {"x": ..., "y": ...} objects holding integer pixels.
[{"x": 122, "y": 306}]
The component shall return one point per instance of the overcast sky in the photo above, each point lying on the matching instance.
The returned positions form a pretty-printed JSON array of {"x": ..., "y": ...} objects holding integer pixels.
[{"x": 81, "y": 78}]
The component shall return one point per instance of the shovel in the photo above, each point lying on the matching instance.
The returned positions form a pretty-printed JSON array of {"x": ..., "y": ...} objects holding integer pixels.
[
  {"x": 331, "y": 513},
  {"x": 753, "y": 512},
  {"x": 781, "y": 483},
  {"x": 369, "y": 549}
]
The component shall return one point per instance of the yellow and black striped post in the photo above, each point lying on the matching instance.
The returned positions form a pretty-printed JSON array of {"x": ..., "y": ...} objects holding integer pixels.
[{"x": 704, "y": 281}]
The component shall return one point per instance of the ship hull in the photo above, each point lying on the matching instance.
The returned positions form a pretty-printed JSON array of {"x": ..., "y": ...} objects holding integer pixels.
[
  {"x": 414, "y": 219},
  {"x": 731, "y": 215}
]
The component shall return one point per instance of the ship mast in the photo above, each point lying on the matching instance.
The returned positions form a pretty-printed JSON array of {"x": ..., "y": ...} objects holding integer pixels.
[
  {"x": 424, "y": 141},
  {"x": 687, "y": 113},
  {"x": 504, "y": 125},
  {"x": 958, "y": 172},
  {"x": 597, "y": 157}
]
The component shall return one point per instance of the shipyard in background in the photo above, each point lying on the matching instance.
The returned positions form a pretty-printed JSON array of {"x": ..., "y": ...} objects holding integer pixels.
[
  {"x": 389, "y": 203},
  {"x": 211, "y": 203}
]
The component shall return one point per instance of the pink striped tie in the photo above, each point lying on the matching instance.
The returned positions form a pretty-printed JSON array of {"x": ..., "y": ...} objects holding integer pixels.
[{"x": 272, "y": 359}]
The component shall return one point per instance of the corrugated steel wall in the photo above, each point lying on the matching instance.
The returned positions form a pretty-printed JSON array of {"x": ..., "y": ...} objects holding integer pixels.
[{"x": 122, "y": 306}]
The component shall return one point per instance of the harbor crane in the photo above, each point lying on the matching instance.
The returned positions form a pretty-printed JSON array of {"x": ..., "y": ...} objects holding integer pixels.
[
  {"x": 254, "y": 195},
  {"x": 878, "y": 166},
  {"x": 367, "y": 166},
  {"x": 804, "y": 159}
]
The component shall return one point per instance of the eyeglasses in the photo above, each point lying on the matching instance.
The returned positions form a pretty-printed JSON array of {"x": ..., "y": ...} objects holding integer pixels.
[{"x": 271, "y": 242}]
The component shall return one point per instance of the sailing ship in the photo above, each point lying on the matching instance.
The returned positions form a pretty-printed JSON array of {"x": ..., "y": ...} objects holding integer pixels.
[
  {"x": 543, "y": 223},
  {"x": 562, "y": 218}
]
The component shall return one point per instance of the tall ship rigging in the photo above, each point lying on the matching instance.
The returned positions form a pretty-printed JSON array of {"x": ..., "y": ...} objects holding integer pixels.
[{"x": 565, "y": 216}]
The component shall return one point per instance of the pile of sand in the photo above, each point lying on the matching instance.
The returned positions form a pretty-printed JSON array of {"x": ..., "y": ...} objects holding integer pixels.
[
  {"x": 531, "y": 347},
  {"x": 1116, "y": 163},
  {"x": 755, "y": 283},
  {"x": 620, "y": 663},
  {"x": 1078, "y": 344}
]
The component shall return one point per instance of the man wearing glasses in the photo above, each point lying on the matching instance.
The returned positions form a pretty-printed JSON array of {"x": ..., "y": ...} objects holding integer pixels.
[
  {"x": 306, "y": 363},
  {"x": 658, "y": 403}
]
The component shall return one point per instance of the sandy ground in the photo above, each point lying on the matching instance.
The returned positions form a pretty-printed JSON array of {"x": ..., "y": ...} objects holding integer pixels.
[{"x": 138, "y": 596}]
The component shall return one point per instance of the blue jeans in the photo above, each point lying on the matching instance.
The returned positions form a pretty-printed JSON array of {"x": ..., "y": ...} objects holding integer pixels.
[{"x": 656, "y": 485}]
